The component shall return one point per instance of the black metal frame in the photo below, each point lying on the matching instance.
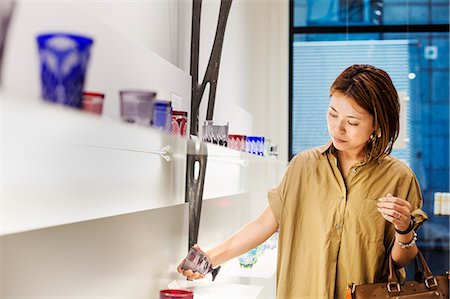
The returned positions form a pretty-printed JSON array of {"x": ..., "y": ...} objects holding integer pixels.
[
  {"x": 212, "y": 70},
  {"x": 198, "y": 154},
  {"x": 291, "y": 71}
]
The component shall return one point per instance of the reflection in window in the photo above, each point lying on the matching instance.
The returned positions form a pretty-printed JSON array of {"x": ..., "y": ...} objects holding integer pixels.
[{"x": 316, "y": 66}]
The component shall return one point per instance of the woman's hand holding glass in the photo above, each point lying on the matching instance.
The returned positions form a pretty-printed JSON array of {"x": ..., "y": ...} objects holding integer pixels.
[{"x": 188, "y": 273}]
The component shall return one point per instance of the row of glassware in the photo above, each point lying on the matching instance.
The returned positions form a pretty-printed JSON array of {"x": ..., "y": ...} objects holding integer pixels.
[
  {"x": 141, "y": 107},
  {"x": 64, "y": 58},
  {"x": 217, "y": 133}
]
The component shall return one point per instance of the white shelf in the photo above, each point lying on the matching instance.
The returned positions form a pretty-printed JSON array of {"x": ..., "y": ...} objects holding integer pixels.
[
  {"x": 60, "y": 165},
  {"x": 81, "y": 192},
  {"x": 117, "y": 62}
]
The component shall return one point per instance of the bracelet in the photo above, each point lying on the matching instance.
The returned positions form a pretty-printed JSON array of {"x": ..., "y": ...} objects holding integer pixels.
[
  {"x": 404, "y": 232},
  {"x": 410, "y": 244}
]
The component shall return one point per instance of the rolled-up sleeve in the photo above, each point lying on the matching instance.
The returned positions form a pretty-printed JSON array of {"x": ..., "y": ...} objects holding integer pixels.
[
  {"x": 416, "y": 201},
  {"x": 275, "y": 202}
]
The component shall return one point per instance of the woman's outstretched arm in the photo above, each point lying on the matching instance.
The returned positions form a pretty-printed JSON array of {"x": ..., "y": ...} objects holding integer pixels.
[{"x": 249, "y": 236}]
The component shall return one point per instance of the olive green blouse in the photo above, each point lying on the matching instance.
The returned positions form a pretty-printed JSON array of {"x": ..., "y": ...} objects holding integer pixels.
[{"x": 331, "y": 233}]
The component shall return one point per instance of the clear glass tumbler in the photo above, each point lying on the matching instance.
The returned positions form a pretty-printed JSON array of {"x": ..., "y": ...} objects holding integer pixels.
[{"x": 215, "y": 132}]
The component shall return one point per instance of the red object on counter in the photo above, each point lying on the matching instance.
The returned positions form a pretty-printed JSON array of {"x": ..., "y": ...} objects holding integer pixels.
[{"x": 175, "y": 294}]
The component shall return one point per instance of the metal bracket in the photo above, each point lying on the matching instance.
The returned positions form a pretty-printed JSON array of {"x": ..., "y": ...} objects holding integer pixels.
[
  {"x": 197, "y": 155},
  {"x": 195, "y": 180},
  {"x": 212, "y": 70}
]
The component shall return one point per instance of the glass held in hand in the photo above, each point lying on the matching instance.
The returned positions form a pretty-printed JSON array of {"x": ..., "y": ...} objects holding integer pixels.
[{"x": 197, "y": 262}]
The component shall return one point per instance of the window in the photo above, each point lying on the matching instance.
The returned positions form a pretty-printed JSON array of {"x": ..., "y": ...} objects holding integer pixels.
[{"x": 410, "y": 40}]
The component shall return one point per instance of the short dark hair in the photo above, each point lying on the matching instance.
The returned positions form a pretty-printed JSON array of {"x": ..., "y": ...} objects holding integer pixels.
[{"x": 373, "y": 90}]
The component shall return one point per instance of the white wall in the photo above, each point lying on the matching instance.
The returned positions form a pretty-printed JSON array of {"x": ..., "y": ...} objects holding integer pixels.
[
  {"x": 253, "y": 80},
  {"x": 252, "y": 91}
]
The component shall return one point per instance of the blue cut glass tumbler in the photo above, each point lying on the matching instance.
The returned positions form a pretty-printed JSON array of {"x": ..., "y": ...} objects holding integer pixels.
[{"x": 63, "y": 61}]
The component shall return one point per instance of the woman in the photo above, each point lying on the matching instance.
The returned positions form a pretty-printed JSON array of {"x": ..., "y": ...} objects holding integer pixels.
[{"x": 342, "y": 207}]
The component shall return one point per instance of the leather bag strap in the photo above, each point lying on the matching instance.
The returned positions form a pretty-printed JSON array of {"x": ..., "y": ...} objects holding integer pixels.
[
  {"x": 393, "y": 286},
  {"x": 429, "y": 279}
]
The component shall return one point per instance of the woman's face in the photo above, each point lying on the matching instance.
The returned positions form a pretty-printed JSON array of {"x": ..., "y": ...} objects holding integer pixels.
[{"x": 349, "y": 125}]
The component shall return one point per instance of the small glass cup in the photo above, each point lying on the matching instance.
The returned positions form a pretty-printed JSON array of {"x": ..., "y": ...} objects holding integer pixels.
[
  {"x": 237, "y": 142},
  {"x": 215, "y": 132},
  {"x": 63, "y": 60},
  {"x": 255, "y": 145},
  {"x": 175, "y": 294},
  {"x": 93, "y": 102},
  {"x": 136, "y": 106},
  {"x": 179, "y": 123},
  {"x": 162, "y": 115}
]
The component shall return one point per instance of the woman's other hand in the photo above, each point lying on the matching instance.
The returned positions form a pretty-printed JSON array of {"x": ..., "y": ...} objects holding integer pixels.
[{"x": 395, "y": 210}]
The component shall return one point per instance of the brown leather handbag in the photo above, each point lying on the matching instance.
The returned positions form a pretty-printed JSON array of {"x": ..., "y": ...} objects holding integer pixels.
[{"x": 425, "y": 285}]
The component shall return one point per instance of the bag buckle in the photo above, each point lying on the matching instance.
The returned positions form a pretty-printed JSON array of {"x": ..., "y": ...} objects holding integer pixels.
[
  {"x": 397, "y": 286},
  {"x": 431, "y": 282}
]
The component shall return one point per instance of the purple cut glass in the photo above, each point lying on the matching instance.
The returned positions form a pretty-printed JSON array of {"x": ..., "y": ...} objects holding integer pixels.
[{"x": 136, "y": 106}]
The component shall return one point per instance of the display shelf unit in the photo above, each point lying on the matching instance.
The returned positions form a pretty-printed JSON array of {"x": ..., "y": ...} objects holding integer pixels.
[
  {"x": 94, "y": 207},
  {"x": 77, "y": 166},
  {"x": 74, "y": 166}
]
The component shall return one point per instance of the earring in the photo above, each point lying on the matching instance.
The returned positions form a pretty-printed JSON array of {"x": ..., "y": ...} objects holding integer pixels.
[
  {"x": 371, "y": 137},
  {"x": 379, "y": 133}
]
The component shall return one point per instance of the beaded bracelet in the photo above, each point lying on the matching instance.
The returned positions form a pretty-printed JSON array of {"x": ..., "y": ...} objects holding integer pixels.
[{"x": 410, "y": 244}]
